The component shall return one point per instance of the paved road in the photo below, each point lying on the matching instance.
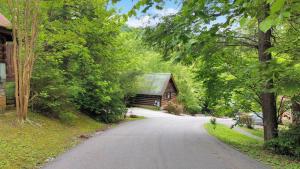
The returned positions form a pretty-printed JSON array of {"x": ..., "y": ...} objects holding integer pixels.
[{"x": 161, "y": 141}]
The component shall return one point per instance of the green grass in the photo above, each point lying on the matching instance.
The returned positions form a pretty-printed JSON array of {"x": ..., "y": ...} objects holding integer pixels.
[
  {"x": 256, "y": 132},
  {"x": 259, "y": 132},
  {"x": 252, "y": 147},
  {"x": 30, "y": 145},
  {"x": 134, "y": 118}
]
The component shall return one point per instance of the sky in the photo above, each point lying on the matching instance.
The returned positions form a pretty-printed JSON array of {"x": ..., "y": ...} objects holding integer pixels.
[{"x": 151, "y": 18}]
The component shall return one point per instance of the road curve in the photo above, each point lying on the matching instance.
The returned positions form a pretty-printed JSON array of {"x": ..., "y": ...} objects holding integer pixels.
[{"x": 161, "y": 141}]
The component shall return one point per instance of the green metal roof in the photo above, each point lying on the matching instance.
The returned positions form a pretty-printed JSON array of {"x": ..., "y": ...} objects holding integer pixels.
[{"x": 155, "y": 83}]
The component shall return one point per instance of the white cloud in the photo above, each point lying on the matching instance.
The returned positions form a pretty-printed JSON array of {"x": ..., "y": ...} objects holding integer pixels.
[
  {"x": 150, "y": 20},
  {"x": 166, "y": 12},
  {"x": 142, "y": 22}
]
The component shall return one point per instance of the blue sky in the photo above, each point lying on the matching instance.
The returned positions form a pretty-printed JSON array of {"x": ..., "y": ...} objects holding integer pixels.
[
  {"x": 126, "y": 5},
  {"x": 146, "y": 19}
]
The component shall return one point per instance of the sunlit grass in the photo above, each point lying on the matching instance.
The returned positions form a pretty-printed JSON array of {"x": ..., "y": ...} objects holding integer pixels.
[
  {"x": 30, "y": 145},
  {"x": 256, "y": 131},
  {"x": 251, "y": 146}
]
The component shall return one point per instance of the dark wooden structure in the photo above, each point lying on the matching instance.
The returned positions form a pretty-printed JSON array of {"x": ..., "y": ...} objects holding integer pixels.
[
  {"x": 6, "y": 48},
  {"x": 156, "y": 89},
  {"x": 6, "y": 64}
]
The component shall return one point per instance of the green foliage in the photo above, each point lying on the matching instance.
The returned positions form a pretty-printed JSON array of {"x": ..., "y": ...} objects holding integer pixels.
[
  {"x": 213, "y": 121},
  {"x": 288, "y": 142},
  {"x": 10, "y": 91},
  {"x": 50, "y": 94},
  {"x": 67, "y": 117},
  {"x": 133, "y": 116},
  {"x": 144, "y": 59},
  {"x": 86, "y": 67},
  {"x": 224, "y": 53}
]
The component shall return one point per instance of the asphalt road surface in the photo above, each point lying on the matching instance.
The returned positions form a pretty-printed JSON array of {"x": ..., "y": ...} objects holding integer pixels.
[{"x": 162, "y": 141}]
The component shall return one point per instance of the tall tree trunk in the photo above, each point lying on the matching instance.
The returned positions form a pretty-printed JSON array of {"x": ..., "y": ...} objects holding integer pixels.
[
  {"x": 267, "y": 97},
  {"x": 25, "y": 28}
]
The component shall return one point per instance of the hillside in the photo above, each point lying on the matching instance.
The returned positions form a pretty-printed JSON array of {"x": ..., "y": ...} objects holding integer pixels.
[{"x": 31, "y": 144}]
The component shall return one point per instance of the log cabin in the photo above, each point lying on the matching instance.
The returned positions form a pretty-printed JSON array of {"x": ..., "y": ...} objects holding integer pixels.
[
  {"x": 157, "y": 89},
  {"x": 6, "y": 69}
]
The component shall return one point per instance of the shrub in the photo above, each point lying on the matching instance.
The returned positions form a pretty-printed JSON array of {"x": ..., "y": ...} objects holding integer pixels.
[
  {"x": 133, "y": 116},
  {"x": 243, "y": 120},
  {"x": 10, "y": 92},
  {"x": 174, "y": 108},
  {"x": 109, "y": 115},
  {"x": 67, "y": 117},
  {"x": 288, "y": 142},
  {"x": 102, "y": 100},
  {"x": 193, "y": 109},
  {"x": 246, "y": 120},
  {"x": 170, "y": 107},
  {"x": 213, "y": 121},
  {"x": 50, "y": 94}
]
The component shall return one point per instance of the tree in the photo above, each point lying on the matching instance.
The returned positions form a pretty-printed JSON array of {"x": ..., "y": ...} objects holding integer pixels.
[
  {"x": 25, "y": 18},
  {"x": 79, "y": 45},
  {"x": 196, "y": 31},
  {"x": 267, "y": 96}
]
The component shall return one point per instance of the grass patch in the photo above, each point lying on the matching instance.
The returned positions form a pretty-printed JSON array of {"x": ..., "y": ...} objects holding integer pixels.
[
  {"x": 252, "y": 147},
  {"x": 256, "y": 132},
  {"x": 131, "y": 118},
  {"x": 259, "y": 132},
  {"x": 30, "y": 145}
]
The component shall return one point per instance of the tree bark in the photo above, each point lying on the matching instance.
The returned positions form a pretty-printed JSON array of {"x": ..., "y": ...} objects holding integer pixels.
[
  {"x": 268, "y": 98},
  {"x": 25, "y": 27}
]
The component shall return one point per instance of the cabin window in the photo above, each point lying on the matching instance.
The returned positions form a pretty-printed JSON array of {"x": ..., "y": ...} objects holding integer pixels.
[
  {"x": 157, "y": 103},
  {"x": 169, "y": 94},
  {"x": 2, "y": 72}
]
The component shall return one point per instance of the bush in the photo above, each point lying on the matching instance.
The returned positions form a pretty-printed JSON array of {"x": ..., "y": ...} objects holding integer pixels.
[
  {"x": 288, "y": 142},
  {"x": 10, "y": 92},
  {"x": 246, "y": 120},
  {"x": 213, "y": 121},
  {"x": 193, "y": 109},
  {"x": 67, "y": 117},
  {"x": 50, "y": 94},
  {"x": 133, "y": 116},
  {"x": 111, "y": 114},
  {"x": 243, "y": 120},
  {"x": 174, "y": 108},
  {"x": 102, "y": 100}
]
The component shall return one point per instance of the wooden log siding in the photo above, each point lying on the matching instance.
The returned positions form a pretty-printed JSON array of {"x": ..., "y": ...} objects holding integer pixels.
[
  {"x": 161, "y": 89},
  {"x": 5, "y": 57},
  {"x": 169, "y": 95},
  {"x": 6, "y": 54},
  {"x": 2, "y": 83},
  {"x": 10, "y": 75},
  {"x": 148, "y": 100},
  {"x": 2, "y": 49}
]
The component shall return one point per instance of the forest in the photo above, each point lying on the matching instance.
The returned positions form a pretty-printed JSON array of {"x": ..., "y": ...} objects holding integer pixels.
[{"x": 227, "y": 57}]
